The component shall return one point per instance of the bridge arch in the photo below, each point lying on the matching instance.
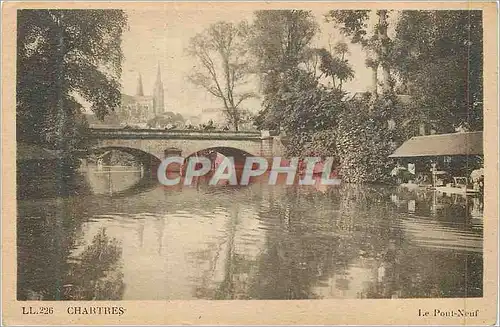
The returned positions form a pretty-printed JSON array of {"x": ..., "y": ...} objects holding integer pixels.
[
  {"x": 149, "y": 160},
  {"x": 238, "y": 155},
  {"x": 226, "y": 151}
]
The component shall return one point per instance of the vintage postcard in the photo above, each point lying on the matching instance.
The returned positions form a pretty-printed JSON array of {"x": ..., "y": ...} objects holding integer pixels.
[{"x": 249, "y": 163}]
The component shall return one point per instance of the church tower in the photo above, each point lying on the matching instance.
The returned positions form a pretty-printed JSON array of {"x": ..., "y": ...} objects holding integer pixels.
[
  {"x": 158, "y": 97},
  {"x": 139, "y": 90}
]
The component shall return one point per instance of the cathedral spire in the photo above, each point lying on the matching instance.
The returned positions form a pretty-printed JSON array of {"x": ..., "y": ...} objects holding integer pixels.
[
  {"x": 158, "y": 93},
  {"x": 139, "y": 91},
  {"x": 158, "y": 75}
]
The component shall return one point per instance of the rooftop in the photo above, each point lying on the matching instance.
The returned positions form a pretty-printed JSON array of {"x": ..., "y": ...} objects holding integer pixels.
[{"x": 452, "y": 144}]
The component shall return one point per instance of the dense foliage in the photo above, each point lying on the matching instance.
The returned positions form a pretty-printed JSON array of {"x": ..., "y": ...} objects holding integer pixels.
[
  {"x": 64, "y": 56},
  {"x": 433, "y": 61},
  {"x": 364, "y": 142},
  {"x": 439, "y": 56},
  {"x": 279, "y": 41},
  {"x": 305, "y": 108}
]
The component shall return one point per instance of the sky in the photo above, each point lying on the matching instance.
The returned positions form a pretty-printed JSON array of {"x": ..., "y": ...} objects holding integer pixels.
[{"x": 160, "y": 37}]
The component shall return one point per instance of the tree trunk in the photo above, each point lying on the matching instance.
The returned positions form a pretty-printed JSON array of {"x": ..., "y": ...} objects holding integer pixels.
[
  {"x": 374, "y": 82},
  {"x": 236, "y": 120},
  {"x": 59, "y": 115},
  {"x": 384, "y": 51}
]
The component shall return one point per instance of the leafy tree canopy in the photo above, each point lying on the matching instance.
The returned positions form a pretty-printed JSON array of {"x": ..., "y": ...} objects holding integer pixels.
[
  {"x": 64, "y": 56},
  {"x": 279, "y": 41},
  {"x": 439, "y": 56}
]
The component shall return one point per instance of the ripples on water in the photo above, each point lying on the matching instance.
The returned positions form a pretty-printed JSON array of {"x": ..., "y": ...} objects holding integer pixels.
[{"x": 255, "y": 242}]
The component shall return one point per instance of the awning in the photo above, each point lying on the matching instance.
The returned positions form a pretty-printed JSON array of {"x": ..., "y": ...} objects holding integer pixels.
[{"x": 454, "y": 144}]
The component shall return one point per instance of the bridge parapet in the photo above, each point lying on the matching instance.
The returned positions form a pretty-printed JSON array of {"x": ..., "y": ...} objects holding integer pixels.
[{"x": 115, "y": 133}]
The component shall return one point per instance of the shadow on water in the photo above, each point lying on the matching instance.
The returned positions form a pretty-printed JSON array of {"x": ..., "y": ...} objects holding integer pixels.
[
  {"x": 64, "y": 185},
  {"x": 50, "y": 226},
  {"x": 52, "y": 265},
  {"x": 142, "y": 186}
]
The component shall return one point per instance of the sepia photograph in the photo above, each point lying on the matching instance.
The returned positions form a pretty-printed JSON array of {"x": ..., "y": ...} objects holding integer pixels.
[{"x": 173, "y": 153}]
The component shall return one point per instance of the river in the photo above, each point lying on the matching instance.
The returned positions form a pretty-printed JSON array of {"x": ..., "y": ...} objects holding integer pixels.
[{"x": 119, "y": 240}]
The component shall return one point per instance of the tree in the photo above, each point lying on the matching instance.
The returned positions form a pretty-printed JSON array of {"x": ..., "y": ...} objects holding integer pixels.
[
  {"x": 64, "y": 55},
  {"x": 335, "y": 65},
  {"x": 364, "y": 138},
  {"x": 279, "y": 41},
  {"x": 438, "y": 54},
  {"x": 306, "y": 108},
  {"x": 222, "y": 67},
  {"x": 354, "y": 24}
]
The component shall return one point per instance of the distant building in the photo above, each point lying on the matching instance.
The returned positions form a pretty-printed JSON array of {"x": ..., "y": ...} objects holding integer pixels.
[
  {"x": 158, "y": 94},
  {"x": 138, "y": 109}
]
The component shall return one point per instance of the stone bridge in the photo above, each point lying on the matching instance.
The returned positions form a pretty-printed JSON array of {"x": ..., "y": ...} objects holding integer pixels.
[{"x": 150, "y": 145}]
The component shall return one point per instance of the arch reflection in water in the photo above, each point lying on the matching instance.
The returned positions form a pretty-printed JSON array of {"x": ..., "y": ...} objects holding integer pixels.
[{"x": 115, "y": 171}]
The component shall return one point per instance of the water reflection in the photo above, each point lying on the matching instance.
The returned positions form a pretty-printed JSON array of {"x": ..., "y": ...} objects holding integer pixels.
[
  {"x": 255, "y": 242},
  {"x": 113, "y": 180},
  {"x": 95, "y": 274},
  {"x": 54, "y": 263}
]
